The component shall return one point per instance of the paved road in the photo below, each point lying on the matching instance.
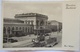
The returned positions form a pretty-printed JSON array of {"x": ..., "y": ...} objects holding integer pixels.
[
  {"x": 22, "y": 41},
  {"x": 27, "y": 40}
]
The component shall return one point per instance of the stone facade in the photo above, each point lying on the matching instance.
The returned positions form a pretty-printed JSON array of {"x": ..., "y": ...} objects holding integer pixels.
[
  {"x": 37, "y": 19},
  {"x": 23, "y": 24}
]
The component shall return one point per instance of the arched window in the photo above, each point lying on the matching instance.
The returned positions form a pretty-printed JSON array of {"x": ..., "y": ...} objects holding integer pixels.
[
  {"x": 19, "y": 28},
  {"x": 12, "y": 29},
  {"x": 26, "y": 29},
  {"x": 31, "y": 22},
  {"x": 31, "y": 29},
  {"x": 37, "y": 22},
  {"x": 8, "y": 29},
  {"x": 28, "y": 22},
  {"x": 23, "y": 29},
  {"x": 42, "y": 23},
  {"x": 16, "y": 28},
  {"x": 4, "y": 30}
]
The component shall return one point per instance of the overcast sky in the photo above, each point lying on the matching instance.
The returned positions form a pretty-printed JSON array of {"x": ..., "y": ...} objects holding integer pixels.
[{"x": 52, "y": 9}]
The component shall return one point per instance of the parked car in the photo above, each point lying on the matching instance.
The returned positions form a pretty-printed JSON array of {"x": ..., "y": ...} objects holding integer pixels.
[
  {"x": 5, "y": 40},
  {"x": 12, "y": 40}
]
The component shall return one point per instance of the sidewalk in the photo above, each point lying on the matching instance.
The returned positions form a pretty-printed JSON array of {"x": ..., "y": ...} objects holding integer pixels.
[
  {"x": 24, "y": 37},
  {"x": 22, "y": 41},
  {"x": 17, "y": 44}
]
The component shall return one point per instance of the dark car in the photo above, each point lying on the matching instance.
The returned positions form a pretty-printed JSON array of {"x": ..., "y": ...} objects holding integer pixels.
[
  {"x": 5, "y": 40},
  {"x": 12, "y": 40}
]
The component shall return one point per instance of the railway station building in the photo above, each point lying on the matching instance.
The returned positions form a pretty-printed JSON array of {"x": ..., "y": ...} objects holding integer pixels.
[{"x": 23, "y": 24}]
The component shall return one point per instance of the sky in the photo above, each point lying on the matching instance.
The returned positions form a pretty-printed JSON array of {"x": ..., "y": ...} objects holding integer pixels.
[{"x": 52, "y": 9}]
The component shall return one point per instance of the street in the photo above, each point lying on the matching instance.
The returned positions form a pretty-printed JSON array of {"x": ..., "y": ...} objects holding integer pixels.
[{"x": 26, "y": 41}]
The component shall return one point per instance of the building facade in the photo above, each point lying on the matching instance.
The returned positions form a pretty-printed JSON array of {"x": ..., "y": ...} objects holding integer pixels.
[
  {"x": 23, "y": 24},
  {"x": 38, "y": 20}
]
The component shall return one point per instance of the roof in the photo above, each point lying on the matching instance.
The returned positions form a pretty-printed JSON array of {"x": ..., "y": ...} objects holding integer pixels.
[
  {"x": 10, "y": 20},
  {"x": 30, "y": 15},
  {"x": 17, "y": 24}
]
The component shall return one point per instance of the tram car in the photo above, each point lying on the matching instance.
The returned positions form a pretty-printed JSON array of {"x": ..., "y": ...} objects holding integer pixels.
[{"x": 41, "y": 40}]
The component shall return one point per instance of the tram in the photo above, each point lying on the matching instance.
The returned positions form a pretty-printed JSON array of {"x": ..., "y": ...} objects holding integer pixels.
[{"x": 41, "y": 40}]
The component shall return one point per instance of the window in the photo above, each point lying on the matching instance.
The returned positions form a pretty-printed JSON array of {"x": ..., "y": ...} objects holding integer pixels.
[
  {"x": 12, "y": 29},
  {"x": 26, "y": 22},
  {"x": 8, "y": 29},
  {"x": 42, "y": 23},
  {"x": 37, "y": 22},
  {"x": 4, "y": 30},
  {"x": 23, "y": 29},
  {"x": 16, "y": 28},
  {"x": 26, "y": 29},
  {"x": 32, "y": 22},
  {"x": 19, "y": 28}
]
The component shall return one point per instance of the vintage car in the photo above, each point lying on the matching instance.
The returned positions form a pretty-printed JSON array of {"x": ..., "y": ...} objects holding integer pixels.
[
  {"x": 5, "y": 40},
  {"x": 12, "y": 40}
]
